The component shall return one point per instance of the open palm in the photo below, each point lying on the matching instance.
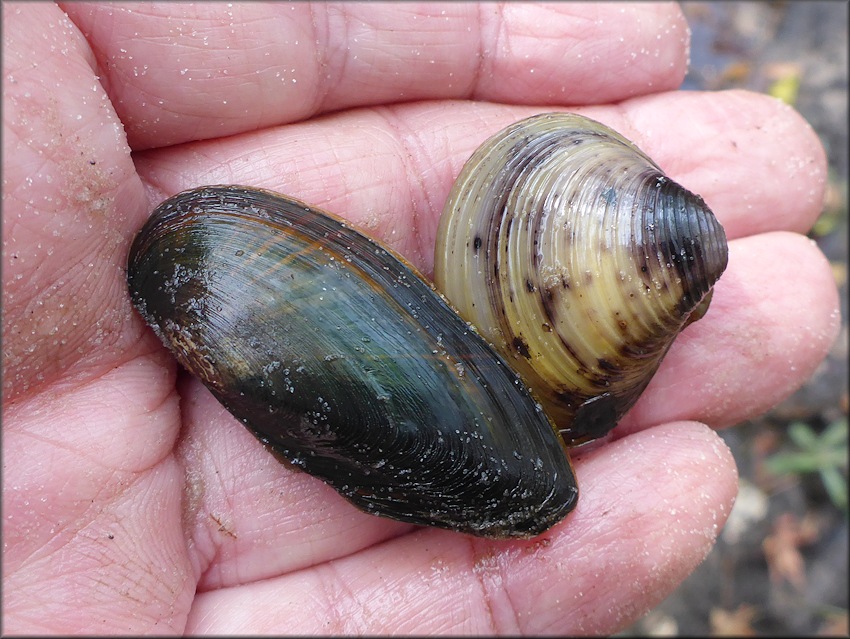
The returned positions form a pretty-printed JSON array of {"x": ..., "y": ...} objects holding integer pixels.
[{"x": 133, "y": 502}]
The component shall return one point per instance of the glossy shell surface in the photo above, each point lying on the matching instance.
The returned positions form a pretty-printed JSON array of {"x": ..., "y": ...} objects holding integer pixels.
[
  {"x": 338, "y": 355},
  {"x": 579, "y": 260}
]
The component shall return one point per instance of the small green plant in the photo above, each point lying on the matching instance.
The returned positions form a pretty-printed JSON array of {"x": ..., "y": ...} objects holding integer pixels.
[{"x": 825, "y": 454}]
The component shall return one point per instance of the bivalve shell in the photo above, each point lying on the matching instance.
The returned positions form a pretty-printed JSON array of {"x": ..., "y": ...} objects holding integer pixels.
[
  {"x": 339, "y": 356},
  {"x": 572, "y": 252}
]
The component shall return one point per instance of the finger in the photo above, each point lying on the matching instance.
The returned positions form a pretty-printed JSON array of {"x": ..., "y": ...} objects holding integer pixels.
[
  {"x": 71, "y": 197},
  {"x": 390, "y": 170},
  {"x": 178, "y": 72},
  {"x": 759, "y": 165},
  {"x": 92, "y": 531},
  {"x": 772, "y": 320},
  {"x": 652, "y": 505},
  {"x": 87, "y": 425}
]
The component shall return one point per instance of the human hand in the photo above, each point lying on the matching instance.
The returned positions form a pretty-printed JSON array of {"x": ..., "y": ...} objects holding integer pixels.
[{"x": 134, "y": 503}]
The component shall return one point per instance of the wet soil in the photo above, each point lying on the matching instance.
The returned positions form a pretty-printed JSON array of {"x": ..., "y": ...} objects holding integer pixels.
[{"x": 781, "y": 564}]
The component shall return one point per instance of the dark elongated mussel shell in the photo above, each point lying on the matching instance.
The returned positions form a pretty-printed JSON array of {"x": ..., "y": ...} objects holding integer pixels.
[{"x": 339, "y": 356}]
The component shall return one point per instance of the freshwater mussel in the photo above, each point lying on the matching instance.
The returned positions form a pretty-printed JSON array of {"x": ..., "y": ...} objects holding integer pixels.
[
  {"x": 340, "y": 356},
  {"x": 571, "y": 251}
]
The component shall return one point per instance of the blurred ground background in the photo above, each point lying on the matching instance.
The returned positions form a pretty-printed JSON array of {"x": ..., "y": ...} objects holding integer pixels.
[{"x": 781, "y": 564}]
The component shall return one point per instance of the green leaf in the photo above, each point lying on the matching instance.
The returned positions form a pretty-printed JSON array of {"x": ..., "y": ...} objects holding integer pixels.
[
  {"x": 825, "y": 454},
  {"x": 836, "y": 487},
  {"x": 802, "y": 435},
  {"x": 835, "y": 434}
]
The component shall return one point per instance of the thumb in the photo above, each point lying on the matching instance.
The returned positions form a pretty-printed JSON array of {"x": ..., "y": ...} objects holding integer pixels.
[
  {"x": 71, "y": 201},
  {"x": 91, "y": 496}
]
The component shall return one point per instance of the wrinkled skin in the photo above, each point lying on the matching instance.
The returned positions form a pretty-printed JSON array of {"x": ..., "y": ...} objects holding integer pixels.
[{"x": 133, "y": 503}]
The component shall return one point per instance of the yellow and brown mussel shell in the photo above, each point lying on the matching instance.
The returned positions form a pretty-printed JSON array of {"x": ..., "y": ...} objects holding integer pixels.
[
  {"x": 572, "y": 260},
  {"x": 572, "y": 252}
]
